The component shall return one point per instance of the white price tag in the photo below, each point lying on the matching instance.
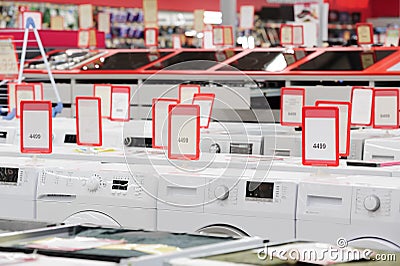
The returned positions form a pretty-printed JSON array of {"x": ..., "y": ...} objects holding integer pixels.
[
  {"x": 386, "y": 108},
  {"x": 151, "y": 36},
  {"x": 103, "y": 22},
  {"x": 36, "y": 127},
  {"x": 286, "y": 33},
  {"x": 320, "y": 136},
  {"x": 23, "y": 92},
  {"x": 160, "y": 122},
  {"x": 186, "y": 93},
  {"x": 228, "y": 35},
  {"x": 198, "y": 21},
  {"x": 85, "y": 16},
  {"x": 365, "y": 33},
  {"x": 88, "y": 116},
  {"x": 392, "y": 37},
  {"x": 120, "y": 103},
  {"x": 205, "y": 101},
  {"x": 184, "y": 132},
  {"x": 298, "y": 35},
  {"x": 8, "y": 58},
  {"x": 83, "y": 38},
  {"x": 292, "y": 102},
  {"x": 361, "y": 111},
  {"x": 38, "y": 91},
  {"x": 344, "y": 124},
  {"x": 103, "y": 91},
  {"x": 246, "y": 17},
  {"x": 218, "y": 35},
  {"x": 208, "y": 41},
  {"x": 176, "y": 41},
  {"x": 150, "y": 13}
]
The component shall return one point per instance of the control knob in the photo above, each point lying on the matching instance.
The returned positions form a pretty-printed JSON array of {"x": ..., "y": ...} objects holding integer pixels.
[
  {"x": 372, "y": 203},
  {"x": 221, "y": 192},
  {"x": 93, "y": 183}
]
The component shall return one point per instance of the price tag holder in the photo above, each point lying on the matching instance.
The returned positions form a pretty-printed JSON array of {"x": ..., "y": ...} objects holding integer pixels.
[
  {"x": 218, "y": 35},
  {"x": 8, "y": 58},
  {"x": 361, "y": 110},
  {"x": 298, "y": 34},
  {"x": 88, "y": 121},
  {"x": 392, "y": 37},
  {"x": 160, "y": 122},
  {"x": 365, "y": 33},
  {"x": 103, "y": 91},
  {"x": 344, "y": 124},
  {"x": 38, "y": 91},
  {"x": 120, "y": 103},
  {"x": 85, "y": 16},
  {"x": 198, "y": 21},
  {"x": 246, "y": 17},
  {"x": 186, "y": 93},
  {"x": 83, "y": 38},
  {"x": 228, "y": 35},
  {"x": 320, "y": 138},
  {"x": 151, "y": 37},
  {"x": 286, "y": 34},
  {"x": 292, "y": 102},
  {"x": 386, "y": 109},
  {"x": 184, "y": 132},
  {"x": 176, "y": 41},
  {"x": 36, "y": 127},
  {"x": 23, "y": 92},
  {"x": 205, "y": 101},
  {"x": 103, "y": 22},
  {"x": 367, "y": 59}
]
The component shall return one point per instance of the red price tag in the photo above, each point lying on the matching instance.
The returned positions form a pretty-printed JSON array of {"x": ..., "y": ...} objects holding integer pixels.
[
  {"x": 205, "y": 101},
  {"x": 186, "y": 93},
  {"x": 23, "y": 92},
  {"x": 151, "y": 37},
  {"x": 160, "y": 122},
  {"x": 36, "y": 127},
  {"x": 120, "y": 103},
  {"x": 292, "y": 102},
  {"x": 88, "y": 121},
  {"x": 386, "y": 109},
  {"x": 184, "y": 132}
]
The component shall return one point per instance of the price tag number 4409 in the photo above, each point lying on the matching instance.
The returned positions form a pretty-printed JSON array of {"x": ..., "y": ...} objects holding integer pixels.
[
  {"x": 319, "y": 146},
  {"x": 35, "y": 136},
  {"x": 183, "y": 140}
]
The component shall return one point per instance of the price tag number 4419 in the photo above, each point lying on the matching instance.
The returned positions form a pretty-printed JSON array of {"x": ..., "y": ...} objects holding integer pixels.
[{"x": 319, "y": 146}]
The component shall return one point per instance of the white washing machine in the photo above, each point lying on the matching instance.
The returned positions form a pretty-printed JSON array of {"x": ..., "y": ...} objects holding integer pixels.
[
  {"x": 364, "y": 210},
  {"x": 213, "y": 202},
  {"x": 18, "y": 185},
  {"x": 382, "y": 149},
  {"x": 109, "y": 194}
]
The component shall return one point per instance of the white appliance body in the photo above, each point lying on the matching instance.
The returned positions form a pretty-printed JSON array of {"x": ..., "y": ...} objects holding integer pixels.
[
  {"x": 106, "y": 195},
  {"x": 364, "y": 210},
  {"x": 229, "y": 205},
  {"x": 382, "y": 149}
]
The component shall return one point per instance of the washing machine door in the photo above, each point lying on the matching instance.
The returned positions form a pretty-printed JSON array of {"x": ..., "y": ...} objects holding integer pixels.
[
  {"x": 92, "y": 217},
  {"x": 222, "y": 230},
  {"x": 376, "y": 243}
]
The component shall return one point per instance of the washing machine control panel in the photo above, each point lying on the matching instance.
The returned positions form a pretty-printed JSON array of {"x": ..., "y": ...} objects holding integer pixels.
[
  {"x": 272, "y": 198},
  {"x": 373, "y": 202}
]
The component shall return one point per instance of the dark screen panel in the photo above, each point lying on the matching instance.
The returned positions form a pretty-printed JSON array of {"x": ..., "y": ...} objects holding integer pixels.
[
  {"x": 208, "y": 59},
  {"x": 122, "y": 61},
  {"x": 259, "y": 61},
  {"x": 340, "y": 61}
]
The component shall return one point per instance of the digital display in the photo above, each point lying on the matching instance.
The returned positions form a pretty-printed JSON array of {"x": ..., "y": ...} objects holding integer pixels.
[
  {"x": 138, "y": 142},
  {"x": 70, "y": 138},
  {"x": 260, "y": 190},
  {"x": 340, "y": 61},
  {"x": 209, "y": 58},
  {"x": 8, "y": 175},
  {"x": 3, "y": 135},
  {"x": 122, "y": 61},
  {"x": 241, "y": 148}
]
